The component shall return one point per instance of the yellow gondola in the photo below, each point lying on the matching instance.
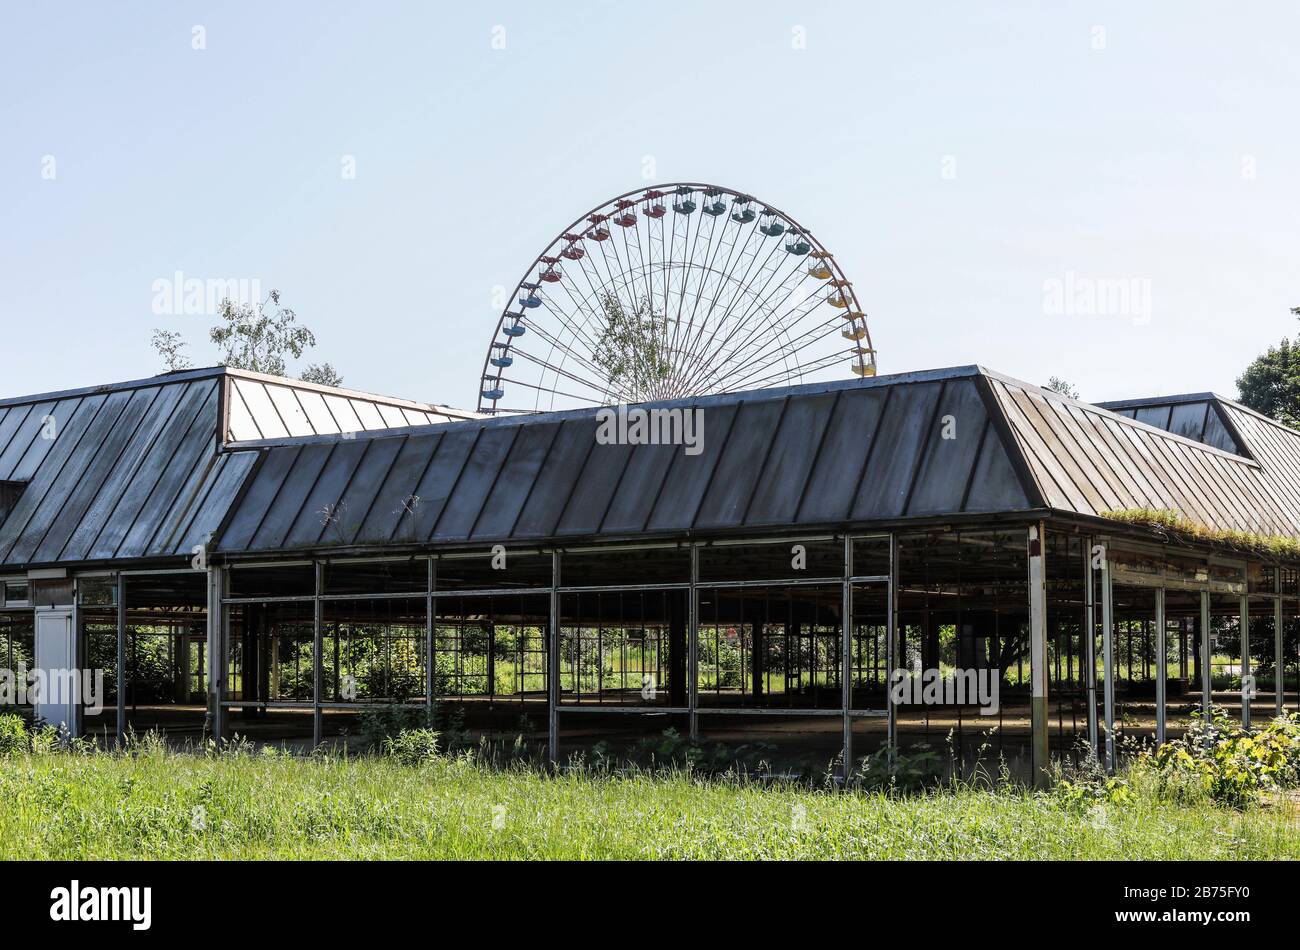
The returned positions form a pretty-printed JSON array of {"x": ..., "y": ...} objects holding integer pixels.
[
  {"x": 837, "y": 300},
  {"x": 820, "y": 271},
  {"x": 865, "y": 370},
  {"x": 857, "y": 333}
]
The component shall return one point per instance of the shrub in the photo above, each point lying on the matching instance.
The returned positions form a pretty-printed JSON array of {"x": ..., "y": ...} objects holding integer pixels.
[
  {"x": 412, "y": 746},
  {"x": 1232, "y": 766},
  {"x": 14, "y": 739}
]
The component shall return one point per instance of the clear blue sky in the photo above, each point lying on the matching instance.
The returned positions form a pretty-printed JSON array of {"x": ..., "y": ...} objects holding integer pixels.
[{"x": 1124, "y": 162}]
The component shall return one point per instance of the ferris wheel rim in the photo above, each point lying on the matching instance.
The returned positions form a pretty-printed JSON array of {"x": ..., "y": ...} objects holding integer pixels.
[{"x": 864, "y": 357}]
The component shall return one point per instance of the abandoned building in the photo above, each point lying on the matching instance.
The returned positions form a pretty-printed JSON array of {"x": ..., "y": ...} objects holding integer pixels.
[{"x": 240, "y": 553}]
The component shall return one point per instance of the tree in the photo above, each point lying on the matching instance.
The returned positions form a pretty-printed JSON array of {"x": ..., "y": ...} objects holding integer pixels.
[
  {"x": 169, "y": 344},
  {"x": 1057, "y": 385},
  {"x": 323, "y": 374},
  {"x": 257, "y": 337},
  {"x": 631, "y": 350},
  {"x": 1271, "y": 383}
]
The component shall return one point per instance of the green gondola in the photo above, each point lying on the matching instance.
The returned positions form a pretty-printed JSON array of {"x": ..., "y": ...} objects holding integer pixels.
[
  {"x": 715, "y": 209},
  {"x": 798, "y": 247},
  {"x": 743, "y": 217},
  {"x": 775, "y": 229},
  {"x": 684, "y": 207}
]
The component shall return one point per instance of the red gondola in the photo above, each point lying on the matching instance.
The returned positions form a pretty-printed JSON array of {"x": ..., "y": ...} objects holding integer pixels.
[
  {"x": 572, "y": 253},
  {"x": 625, "y": 220},
  {"x": 550, "y": 275}
]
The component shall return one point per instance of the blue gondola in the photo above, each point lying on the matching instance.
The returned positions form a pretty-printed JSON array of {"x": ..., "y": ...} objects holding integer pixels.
[
  {"x": 493, "y": 394},
  {"x": 514, "y": 330},
  {"x": 501, "y": 362},
  {"x": 532, "y": 300}
]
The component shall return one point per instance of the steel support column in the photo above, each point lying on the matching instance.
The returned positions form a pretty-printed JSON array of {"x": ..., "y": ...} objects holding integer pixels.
[
  {"x": 317, "y": 660},
  {"x": 692, "y": 649},
  {"x": 553, "y": 667},
  {"x": 121, "y": 660},
  {"x": 1162, "y": 672},
  {"x": 429, "y": 579},
  {"x": 217, "y": 621},
  {"x": 1090, "y": 644},
  {"x": 1279, "y": 683},
  {"x": 891, "y": 647},
  {"x": 1040, "y": 749},
  {"x": 1108, "y": 659},
  {"x": 1205, "y": 655},
  {"x": 1244, "y": 626},
  {"x": 846, "y": 618}
]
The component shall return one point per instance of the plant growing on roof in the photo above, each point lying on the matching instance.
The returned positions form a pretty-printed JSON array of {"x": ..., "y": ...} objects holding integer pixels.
[{"x": 259, "y": 337}]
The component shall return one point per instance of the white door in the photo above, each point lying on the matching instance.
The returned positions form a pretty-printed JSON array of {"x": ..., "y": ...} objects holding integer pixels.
[{"x": 56, "y": 659}]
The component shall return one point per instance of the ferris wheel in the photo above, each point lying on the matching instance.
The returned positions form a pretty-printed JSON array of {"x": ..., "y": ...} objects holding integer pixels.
[{"x": 673, "y": 291}]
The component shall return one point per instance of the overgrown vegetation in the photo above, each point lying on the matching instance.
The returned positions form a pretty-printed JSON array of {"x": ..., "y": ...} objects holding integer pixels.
[
  {"x": 259, "y": 337},
  {"x": 417, "y": 800},
  {"x": 1175, "y": 526}
]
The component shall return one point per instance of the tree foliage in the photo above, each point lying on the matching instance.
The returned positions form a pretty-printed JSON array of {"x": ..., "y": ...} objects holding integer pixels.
[
  {"x": 261, "y": 338},
  {"x": 1271, "y": 383},
  {"x": 170, "y": 346},
  {"x": 631, "y": 350}
]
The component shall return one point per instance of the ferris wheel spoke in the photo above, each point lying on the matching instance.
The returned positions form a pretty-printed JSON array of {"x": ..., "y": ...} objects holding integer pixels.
[
  {"x": 703, "y": 358},
  {"x": 642, "y": 298},
  {"x": 706, "y": 359},
  {"x": 792, "y": 347},
  {"x": 595, "y": 387},
  {"x": 780, "y": 340}
]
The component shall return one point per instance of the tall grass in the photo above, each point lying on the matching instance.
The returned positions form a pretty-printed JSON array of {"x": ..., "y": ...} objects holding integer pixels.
[{"x": 152, "y": 802}]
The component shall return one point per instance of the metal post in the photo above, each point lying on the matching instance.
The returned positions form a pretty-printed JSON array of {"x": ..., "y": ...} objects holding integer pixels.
[
  {"x": 553, "y": 666},
  {"x": 121, "y": 660},
  {"x": 317, "y": 660},
  {"x": 1278, "y": 683},
  {"x": 1245, "y": 660},
  {"x": 692, "y": 648},
  {"x": 1040, "y": 749},
  {"x": 891, "y": 647},
  {"x": 846, "y": 616},
  {"x": 1090, "y": 644},
  {"x": 429, "y": 579},
  {"x": 1108, "y": 660},
  {"x": 1162, "y": 661},
  {"x": 1205, "y": 655},
  {"x": 217, "y": 621}
]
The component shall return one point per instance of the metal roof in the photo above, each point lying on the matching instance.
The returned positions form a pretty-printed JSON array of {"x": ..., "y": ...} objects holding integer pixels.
[
  {"x": 140, "y": 469},
  {"x": 269, "y": 407},
  {"x": 132, "y": 471},
  {"x": 852, "y": 452},
  {"x": 1200, "y": 417},
  {"x": 1088, "y": 459}
]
